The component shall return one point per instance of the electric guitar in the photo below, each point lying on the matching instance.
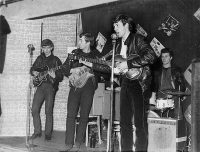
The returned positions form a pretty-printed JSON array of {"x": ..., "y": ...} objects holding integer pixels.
[{"x": 42, "y": 75}]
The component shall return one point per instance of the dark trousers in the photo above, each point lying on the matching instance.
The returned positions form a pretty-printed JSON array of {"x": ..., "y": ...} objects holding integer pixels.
[
  {"x": 79, "y": 98},
  {"x": 132, "y": 105},
  {"x": 46, "y": 93}
]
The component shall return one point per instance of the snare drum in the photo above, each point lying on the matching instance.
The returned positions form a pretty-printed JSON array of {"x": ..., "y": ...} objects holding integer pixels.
[{"x": 164, "y": 103}]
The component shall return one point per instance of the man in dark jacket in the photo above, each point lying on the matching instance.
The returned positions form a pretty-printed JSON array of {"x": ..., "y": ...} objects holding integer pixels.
[
  {"x": 46, "y": 79},
  {"x": 83, "y": 83},
  {"x": 138, "y": 56},
  {"x": 167, "y": 79}
]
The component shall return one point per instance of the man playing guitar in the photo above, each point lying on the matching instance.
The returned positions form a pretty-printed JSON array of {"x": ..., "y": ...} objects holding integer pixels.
[
  {"x": 136, "y": 51},
  {"x": 83, "y": 81},
  {"x": 46, "y": 87}
]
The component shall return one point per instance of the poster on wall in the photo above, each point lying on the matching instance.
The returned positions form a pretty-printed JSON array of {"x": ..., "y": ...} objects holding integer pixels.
[
  {"x": 140, "y": 30},
  {"x": 157, "y": 46},
  {"x": 100, "y": 42},
  {"x": 197, "y": 14},
  {"x": 170, "y": 25}
]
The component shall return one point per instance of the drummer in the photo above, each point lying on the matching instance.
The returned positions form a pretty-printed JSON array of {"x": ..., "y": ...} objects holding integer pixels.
[{"x": 167, "y": 77}]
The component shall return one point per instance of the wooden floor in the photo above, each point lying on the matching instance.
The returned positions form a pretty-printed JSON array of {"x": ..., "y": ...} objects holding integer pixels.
[{"x": 18, "y": 144}]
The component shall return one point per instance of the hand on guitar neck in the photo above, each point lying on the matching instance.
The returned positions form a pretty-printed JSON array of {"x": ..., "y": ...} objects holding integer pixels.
[
  {"x": 35, "y": 73},
  {"x": 89, "y": 64}
]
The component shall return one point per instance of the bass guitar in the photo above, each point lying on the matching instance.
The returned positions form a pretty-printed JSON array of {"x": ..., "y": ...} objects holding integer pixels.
[
  {"x": 133, "y": 73},
  {"x": 42, "y": 75}
]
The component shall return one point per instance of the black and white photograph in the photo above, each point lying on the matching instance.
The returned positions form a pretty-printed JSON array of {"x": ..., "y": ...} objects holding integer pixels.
[{"x": 99, "y": 75}]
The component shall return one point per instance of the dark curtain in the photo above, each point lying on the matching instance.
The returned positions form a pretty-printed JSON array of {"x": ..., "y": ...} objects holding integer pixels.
[{"x": 4, "y": 30}]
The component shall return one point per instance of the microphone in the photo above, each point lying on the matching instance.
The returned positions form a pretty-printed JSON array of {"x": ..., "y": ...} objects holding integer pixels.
[
  {"x": 31, "y": 48},
  {"x": 114, "y": 36}
]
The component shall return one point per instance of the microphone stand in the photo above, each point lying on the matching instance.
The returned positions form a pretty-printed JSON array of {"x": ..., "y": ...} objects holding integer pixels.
[
  {"x": 29, "y": 99},
  {"x": 179, "y": 110},
  {"x": 110, "y": 123}
]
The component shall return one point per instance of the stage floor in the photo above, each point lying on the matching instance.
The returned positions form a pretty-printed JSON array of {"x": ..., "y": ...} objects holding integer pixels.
[{"x": 18, "y": 144}]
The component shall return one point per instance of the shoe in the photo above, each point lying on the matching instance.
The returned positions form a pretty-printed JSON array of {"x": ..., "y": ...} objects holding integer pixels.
[
  {"x": 75, "y": 148},
  {"x": 47, "y": 137},
  {"x": 82, "y": 148},
  {"x": 67, "y": 148},
  {"x": 35, "y": 136}
]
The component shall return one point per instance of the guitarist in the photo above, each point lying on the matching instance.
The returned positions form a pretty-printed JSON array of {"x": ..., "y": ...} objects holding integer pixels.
[
  {"x": 132, "y": 91},
  {"x": 81, "y": 96},
  {"x": 46, "y": 90}
]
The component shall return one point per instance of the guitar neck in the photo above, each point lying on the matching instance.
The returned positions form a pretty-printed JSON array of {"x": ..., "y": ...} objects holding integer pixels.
[
  {"x": 99, "y": 61},
  {"x": 57, "y": 68},
  {"x": 108, "y": 54},
  {"x": 44, "y": 73}
]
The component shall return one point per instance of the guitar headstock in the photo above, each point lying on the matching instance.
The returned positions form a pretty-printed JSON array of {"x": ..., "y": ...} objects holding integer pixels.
[{"x": 70, "y": 56}]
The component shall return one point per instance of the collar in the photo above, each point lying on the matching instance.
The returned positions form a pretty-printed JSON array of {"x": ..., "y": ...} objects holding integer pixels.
[
  {"x": 50, "y": 56},
  {"x": 166, "y": 68},
  {"x": 129, "y": 38}
]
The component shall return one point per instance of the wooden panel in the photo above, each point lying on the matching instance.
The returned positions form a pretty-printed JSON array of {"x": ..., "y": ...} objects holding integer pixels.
[
  {"x": 195, "y": 105},
  {"x": 97, "y": 107},
  {"x": 107, "y": 100}
]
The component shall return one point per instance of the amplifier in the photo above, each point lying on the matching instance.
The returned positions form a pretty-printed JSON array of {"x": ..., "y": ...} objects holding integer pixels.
[{"x": 165, "y": 135}]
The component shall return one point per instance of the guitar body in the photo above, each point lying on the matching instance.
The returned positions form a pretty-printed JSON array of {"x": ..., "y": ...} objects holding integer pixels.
[
  {"x": 37, "y": 80},
  {"x": 79, "y": 78},
  {"x": 133, "y": 73},
  {"x": 42, "y": 76}
]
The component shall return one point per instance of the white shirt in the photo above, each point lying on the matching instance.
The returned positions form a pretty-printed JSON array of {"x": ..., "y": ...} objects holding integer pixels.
[{"x": 123, "y": 50}]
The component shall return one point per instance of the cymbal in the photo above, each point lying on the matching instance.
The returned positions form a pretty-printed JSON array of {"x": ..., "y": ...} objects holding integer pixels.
[{"x": 176, "y": 93}]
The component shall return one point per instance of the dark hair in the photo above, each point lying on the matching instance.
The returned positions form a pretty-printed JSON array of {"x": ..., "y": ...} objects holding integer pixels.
[
  {"x": 88, "y": 38},
  {"x": 167, "y": 50},
  {"x": 47, "y": 42},
  {"x": 125, "y": 19}
]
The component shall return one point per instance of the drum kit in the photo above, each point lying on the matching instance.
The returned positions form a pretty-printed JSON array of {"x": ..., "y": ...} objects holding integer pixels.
[
  {"x": 168, "y": 103},
  {"x": 166, "y": 110}
]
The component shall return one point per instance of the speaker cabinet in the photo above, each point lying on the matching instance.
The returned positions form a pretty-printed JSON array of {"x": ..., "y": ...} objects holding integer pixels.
[
  {"x": 166, "y": 134},
  {"x": 162, "y": 135}
]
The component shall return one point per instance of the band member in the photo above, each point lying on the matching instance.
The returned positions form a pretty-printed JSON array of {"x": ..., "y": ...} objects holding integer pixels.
[
  {"x": 46, "y": 63},
  {"x": 83, "y": 83},
  {"x": 131, "y": 96},
  {"x": 167, "y": 78}
]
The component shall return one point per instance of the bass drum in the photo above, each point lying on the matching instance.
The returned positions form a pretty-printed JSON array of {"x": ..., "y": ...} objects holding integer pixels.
[{"x": 152, "y": 114}]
